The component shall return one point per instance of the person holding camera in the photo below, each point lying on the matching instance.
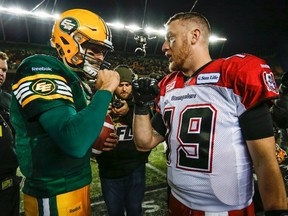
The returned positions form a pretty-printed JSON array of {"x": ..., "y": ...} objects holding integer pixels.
[{"x": 122, "y": 171}]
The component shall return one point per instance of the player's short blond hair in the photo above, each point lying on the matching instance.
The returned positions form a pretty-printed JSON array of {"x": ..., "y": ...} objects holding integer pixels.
[
  {"x": 195, "y": 17},
  {"x": 3, "y": 56}
]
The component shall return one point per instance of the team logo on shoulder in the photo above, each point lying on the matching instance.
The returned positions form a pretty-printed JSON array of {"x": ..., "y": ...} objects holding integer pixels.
[
  {"x": 43, "y": 87},
  {"x": 270, "y": 82},
  {"x": 68, "y": 24}
]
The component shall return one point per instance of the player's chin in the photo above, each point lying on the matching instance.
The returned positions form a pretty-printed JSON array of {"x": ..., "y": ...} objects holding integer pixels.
[{"x": 172, "y": 66}]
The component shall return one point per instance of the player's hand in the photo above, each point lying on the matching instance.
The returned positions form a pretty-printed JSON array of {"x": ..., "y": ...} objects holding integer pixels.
[
  {"x": 111, "y": 142},
  {"x": 107, "y": 80},
  {"x": 145, "y": 90},
  {"x": 283, "y": 88}
]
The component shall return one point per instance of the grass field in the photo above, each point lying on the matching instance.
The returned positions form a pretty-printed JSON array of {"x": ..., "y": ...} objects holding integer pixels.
[
  {"x": 154, "y": 203},
  {"x": 155, "y": 172},
  {"x": 155, "y": 184}
]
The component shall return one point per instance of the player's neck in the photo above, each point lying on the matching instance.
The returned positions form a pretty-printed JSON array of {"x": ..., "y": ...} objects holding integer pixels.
[{"x": 194, "y": 73}]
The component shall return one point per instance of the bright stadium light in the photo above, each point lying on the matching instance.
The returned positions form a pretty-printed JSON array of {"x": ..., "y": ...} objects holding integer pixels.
[
  {"x": 150, "y": 30},
  {"x": 45, "y": 15},
  {"x": 20, "y": 12},
  {"x": 133, "y": 28},
  {"x": 214, "y": 39},
  {"x": 17, "y": 10},
  {"x": 117, "y": 25}
]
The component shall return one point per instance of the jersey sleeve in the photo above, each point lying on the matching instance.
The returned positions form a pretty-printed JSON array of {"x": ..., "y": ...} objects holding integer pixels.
[
  {"x": 251, "y": 78},
  {"x": 40, "y": 84}
]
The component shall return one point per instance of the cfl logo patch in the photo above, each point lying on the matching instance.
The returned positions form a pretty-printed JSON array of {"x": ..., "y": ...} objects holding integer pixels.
[{"x": 43, "y": 87}]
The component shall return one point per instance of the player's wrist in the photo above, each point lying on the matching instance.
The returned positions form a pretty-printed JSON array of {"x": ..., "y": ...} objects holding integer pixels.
[{"x": 141, "y": 110}]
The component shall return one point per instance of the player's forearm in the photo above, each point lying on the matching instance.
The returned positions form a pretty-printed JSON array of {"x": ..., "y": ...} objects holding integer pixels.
[
  {"x": 142, "y": 132},
  {"x": 271, "y": 187},
  {"x": 75, "y": 132},
  {"x": 270, "y": 181}
]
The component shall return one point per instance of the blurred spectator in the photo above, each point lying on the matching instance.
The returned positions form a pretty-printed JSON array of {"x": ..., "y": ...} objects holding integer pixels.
[{"x": 9, "y": 188}]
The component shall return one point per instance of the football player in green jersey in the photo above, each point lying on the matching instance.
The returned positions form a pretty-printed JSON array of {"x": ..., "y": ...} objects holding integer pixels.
[{"x": 55, "y": 119}]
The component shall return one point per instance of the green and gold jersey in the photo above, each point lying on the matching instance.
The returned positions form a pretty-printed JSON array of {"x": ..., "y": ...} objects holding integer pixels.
[{"x": 42, "y": 83}]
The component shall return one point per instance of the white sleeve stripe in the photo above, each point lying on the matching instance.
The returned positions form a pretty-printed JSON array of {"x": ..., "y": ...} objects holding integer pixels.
[
  {"x": 21, "y": 92},
  {"x": 23, "y": 96},
  {"x": 109, "y": 125},
  {"x": 63, "y": 85},
  {"x": 63, "y": 88},
  {"x": 64, "y": 93},
  {"x": 21, "y": 87}
]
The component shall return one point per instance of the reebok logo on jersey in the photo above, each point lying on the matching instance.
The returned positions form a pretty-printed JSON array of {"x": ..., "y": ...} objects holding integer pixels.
[
  {"x": 208, "y": 78},
  {"x": 75, "y": 210},
  {"x": 41, "y": 69}
]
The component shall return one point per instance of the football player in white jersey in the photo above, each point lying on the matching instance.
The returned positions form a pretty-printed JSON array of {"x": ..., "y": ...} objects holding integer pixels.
[{"x": 214, "y": 115}]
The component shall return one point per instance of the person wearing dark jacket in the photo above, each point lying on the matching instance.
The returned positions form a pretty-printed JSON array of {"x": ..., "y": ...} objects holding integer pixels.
[
  {"x": 122, "y": 170},
  {"x": 9, "y": 181}
]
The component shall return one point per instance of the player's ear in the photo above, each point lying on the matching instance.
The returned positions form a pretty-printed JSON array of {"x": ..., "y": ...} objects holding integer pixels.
[{"x": 194, "y": 35}]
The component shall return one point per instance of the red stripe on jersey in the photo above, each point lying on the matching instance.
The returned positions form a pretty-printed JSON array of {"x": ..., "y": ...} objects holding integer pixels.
[{"x": 176, "y": 208}]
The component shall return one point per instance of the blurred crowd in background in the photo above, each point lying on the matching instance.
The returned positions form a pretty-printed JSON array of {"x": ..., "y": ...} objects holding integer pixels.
[
  {"x": 142, "y": 66},
  {"x": 157, "y": 66}
]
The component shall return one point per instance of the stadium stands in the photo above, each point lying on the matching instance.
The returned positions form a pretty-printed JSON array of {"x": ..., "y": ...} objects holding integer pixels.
[{"x": 143, "y": 66}]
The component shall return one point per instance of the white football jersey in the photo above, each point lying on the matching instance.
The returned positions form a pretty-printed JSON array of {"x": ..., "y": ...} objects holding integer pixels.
[{"x": 209, "y": 167}]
